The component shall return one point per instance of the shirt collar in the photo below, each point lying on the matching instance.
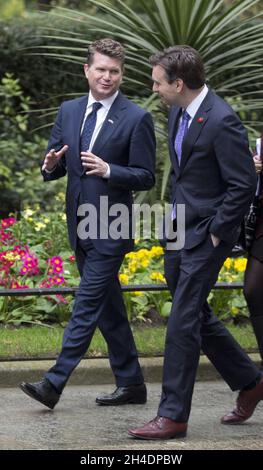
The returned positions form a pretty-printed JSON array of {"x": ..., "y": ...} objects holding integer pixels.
[
  {"x": 196, "y": 103},
  {"x": 106, "y": 103}
]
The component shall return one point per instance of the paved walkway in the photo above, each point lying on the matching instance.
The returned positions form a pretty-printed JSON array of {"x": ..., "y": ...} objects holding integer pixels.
[{"x": 78, "y": 423}]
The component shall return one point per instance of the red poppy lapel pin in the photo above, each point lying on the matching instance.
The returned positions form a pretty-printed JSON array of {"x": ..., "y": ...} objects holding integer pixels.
[{"x": 200, "y": 120}]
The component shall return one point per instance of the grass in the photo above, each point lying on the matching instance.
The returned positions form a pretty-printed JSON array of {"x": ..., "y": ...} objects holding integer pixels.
[{"x": 43, "y": 342}]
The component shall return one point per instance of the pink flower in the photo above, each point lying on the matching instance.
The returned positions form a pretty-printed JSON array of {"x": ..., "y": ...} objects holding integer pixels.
[
  {"x": 56, "y": 260},
  {"x": 30, "y": 264},
  {"x": 55, "y": 265},
  {"x": 59, "y": 280},
  {"x": 52, "y": 281},
  {"x": 21, "y": 251},
  {"x": 24, "y": 270},
  {"x": 8, "y": 222},
  {"x": 57, "y": 269},
  {"x": 72, "y": 258}
]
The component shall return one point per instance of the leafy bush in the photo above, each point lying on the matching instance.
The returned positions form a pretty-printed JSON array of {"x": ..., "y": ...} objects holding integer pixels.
[
  {"x": 46, "y": 81},
  {"x": 21, "y": 153}
]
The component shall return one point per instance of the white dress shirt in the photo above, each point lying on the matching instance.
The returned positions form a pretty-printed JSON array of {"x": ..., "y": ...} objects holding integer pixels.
[
  {"x": 193, "y": 107},
  {"x": 101, "y": 116}
]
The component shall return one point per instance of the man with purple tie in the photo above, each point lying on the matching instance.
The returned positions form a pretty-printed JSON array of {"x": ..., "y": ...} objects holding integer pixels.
[
  {"x": 213, "y": 176},
  {"x": 106, "y": 146}
]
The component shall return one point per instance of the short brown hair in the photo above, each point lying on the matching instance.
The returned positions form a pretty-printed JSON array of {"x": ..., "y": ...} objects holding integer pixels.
[
  {"x": 181, "y": 62},
  {"x": 106, "y": 46}
]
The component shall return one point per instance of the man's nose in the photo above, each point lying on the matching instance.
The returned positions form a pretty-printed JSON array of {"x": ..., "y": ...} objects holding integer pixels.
[{"x": 106, "y": 75}]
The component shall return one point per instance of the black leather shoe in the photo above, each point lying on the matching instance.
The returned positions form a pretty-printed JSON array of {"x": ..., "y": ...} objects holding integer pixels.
[
  {"x": 41, "y": 391},
  {"x": 133, "y": 394}
]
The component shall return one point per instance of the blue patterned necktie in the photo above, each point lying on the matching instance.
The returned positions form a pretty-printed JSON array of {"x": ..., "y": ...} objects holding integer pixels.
[
  {"x": 181, "y": 132},
  {"x": 89, "y": 127}
]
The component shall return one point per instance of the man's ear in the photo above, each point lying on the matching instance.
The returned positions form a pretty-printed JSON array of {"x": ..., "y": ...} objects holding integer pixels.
[
  {"x": 180, "y": 84},
  {"x": 86, "y": 69}
]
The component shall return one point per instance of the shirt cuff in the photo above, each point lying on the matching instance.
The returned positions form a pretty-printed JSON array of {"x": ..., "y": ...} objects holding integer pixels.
[
  {"x": 50, "y": 171},
  {"x": 107, "y": 174}
]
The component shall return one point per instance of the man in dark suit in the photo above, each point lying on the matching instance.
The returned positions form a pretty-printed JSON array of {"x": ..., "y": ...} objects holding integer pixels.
[
  {"x": 106, "y": 146},
  {"x": 213, "y": 176}
]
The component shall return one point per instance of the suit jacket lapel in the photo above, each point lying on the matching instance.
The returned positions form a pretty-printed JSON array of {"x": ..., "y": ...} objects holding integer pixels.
[
  {"x": 110, "y": 124},
  {"x": 78, "y": 120},
  {"x": 195, "y": 128}
]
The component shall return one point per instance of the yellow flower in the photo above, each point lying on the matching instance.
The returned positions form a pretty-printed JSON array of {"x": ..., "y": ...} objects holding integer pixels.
[
  {"x": 63, "y": 217},
  {"x": 145, "y": 263},
  {"x": 137, "y": 292},
  {"x": 131, "y": 255},
  {"x": 240, "y": 264},
  {"x": 157, "y": 277},
  {"x": 124, "y": 279},
  {"x": 39, "y": 226},
  {"x": 27, "y": 213},
  {"x": 12, "y": 257},
  {"x": 132, "y": 266},
  {"x": 143, "y": 253},
  {"x": 228, "y": 263},
  {"x": 157, "y": 251}
]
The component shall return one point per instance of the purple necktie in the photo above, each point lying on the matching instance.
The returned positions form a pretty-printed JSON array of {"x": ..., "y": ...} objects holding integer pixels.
[
  {"x": 89, "y": 127},
  {"x": 181, "y": 132},
  {"x": 180, "y": 135}
]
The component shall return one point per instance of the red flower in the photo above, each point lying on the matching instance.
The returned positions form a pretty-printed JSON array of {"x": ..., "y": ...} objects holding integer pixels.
[
  {"x": 200, "y": 120},
  {"x": 8, "y": 222}
]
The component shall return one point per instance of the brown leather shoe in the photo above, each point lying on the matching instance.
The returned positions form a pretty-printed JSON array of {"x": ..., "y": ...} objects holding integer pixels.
[
  {"x": 160, "y": 428},
  {"x": 246, "y": 403}
]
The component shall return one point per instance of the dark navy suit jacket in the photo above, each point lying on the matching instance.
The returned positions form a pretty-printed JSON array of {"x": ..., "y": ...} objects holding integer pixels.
[
  {"x": 216, "y": 179},
  {"x": 126, "y": 142}
]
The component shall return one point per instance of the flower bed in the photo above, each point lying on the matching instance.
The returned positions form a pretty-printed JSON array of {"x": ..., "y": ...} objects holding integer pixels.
[{"x": 34, "y": 252}]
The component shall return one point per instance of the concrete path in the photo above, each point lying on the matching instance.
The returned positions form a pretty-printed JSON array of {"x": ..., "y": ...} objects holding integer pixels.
[{"x": 78, "y": 423}]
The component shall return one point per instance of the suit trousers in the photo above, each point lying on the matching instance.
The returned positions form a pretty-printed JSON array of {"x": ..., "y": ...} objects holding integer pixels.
[
  {"x": 98, "y": 302},
  {"x": 191, "y": 274}
]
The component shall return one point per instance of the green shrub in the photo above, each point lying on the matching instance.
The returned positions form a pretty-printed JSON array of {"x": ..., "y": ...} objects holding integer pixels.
[
  {"x": 20, "y": 154},
  {"x": 45, "y": 80}
]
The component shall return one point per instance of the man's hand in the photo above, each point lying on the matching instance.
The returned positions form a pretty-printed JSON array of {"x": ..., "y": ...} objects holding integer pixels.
[
  {"x": 95, "y": 164},
  {"x": 52, "y": 158},
  {"x": 215, "y": 240},
  {"x": 258, "y": 163}
]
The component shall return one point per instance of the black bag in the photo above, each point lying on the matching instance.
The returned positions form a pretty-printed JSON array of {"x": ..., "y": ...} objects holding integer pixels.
[
  {"x": 248, "y": 227},
  {"x": 251, "y": 222}
]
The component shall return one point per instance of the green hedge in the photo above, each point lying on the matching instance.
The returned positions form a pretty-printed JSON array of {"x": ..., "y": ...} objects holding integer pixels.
[{"x": 45, "y": 80}]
